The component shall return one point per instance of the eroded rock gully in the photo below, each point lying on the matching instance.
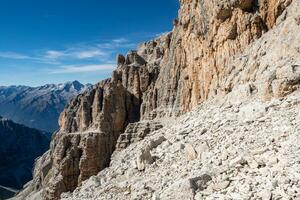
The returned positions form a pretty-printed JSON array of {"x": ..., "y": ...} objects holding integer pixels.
[{"x": 217, "y": 49}]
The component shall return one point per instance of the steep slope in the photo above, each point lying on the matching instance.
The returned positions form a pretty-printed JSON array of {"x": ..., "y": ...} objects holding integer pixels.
[
  {"x": 231, "y": 50},
  {"x": 19, "y": 147},
  {"x": 220, "y": 150},
  {"x": 38, "y": 107}
]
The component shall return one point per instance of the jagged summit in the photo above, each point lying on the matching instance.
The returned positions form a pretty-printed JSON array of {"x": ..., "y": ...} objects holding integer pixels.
[
  {"x": 72, "y": 85},
  {"x": 229, "y": 53}
]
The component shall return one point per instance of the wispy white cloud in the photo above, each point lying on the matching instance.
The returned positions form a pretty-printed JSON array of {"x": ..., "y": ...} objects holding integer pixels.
[
  {"x": 14, "y": 55},
  {"x": 120, "y": 40},
  {"x": 81, "y": 69},
  {"x": 32, "y": 58},
  {"x": 90, "y": 54},
  {"x": 86, "y": 51},
  {"x": 78, "y": 58},
  {"x": 97, "y": 51},
  {"x": 54, "y": 54},
  {"x": 76, "y": 53},
  {"x": 116, "y": 44}
]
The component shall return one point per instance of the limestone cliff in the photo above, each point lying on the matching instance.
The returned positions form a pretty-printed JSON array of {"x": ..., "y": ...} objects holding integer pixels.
[
  {"x": 206, "y": 44},
  {"x": 205, "y": 56}
]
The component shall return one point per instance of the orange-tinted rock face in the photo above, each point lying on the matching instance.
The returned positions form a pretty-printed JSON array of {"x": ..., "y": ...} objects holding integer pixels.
[
  {"x": 271, "y": 9},
  {"x": 207, "y": 36},
  {"x": 203, "y": 57}
]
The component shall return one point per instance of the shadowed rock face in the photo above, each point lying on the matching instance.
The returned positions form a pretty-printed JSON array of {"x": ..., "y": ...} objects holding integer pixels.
[
  {"x": 19, "y": 147},
  {"x": 203, "y": 57}
]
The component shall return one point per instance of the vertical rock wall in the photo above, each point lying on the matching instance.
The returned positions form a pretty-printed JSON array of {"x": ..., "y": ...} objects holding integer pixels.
[{"x": 204, "y": 45}]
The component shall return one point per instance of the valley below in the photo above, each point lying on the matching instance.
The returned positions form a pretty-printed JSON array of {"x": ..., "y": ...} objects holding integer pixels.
[{"x": 19, "y": 147}]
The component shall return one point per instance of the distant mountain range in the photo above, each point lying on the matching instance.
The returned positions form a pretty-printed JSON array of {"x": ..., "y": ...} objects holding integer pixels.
[
  {"x": 38, "y": 107},
  {"x": 19, "y": 147}
]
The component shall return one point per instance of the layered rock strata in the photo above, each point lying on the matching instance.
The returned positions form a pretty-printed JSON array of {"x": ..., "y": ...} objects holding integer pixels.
[{"x": 136, "y": 132}]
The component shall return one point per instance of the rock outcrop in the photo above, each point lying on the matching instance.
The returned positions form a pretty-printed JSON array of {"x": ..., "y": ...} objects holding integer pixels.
[
  {"x": 234, "y": 49},
  {"x": 136, "y": 132}
]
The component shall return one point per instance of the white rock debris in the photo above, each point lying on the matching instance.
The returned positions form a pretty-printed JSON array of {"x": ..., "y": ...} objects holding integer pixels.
[{"x": 233, "y": 159}]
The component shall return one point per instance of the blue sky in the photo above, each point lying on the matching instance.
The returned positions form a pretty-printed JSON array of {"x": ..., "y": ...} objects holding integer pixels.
[{"x": 54, "y": 41}]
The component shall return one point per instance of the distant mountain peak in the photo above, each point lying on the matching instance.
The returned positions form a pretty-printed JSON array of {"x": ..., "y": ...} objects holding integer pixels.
[
  {"x": 76, "y": 82},
  {"x": 38, "y": 107},
  {"x": 75, "y": 85}
]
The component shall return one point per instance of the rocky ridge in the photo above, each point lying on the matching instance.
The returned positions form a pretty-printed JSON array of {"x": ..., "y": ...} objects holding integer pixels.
[{"x": 230, "y": 50}]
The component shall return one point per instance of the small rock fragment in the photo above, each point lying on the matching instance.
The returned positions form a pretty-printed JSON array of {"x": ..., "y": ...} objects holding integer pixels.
[
  {"x": 237, "y": 161},
  {"x": 221, "y": 185},
  {"x": 265, "y": 195},
  {"x": 190, "y": 152},
  {"x": 200, "y": 183}
]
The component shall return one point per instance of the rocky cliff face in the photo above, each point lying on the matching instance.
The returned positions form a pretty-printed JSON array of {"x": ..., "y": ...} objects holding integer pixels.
[
  {"x": 217, "y": 49},
  {"x": 91, "y": 125},
  {"x": 204, "y": 58}
]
